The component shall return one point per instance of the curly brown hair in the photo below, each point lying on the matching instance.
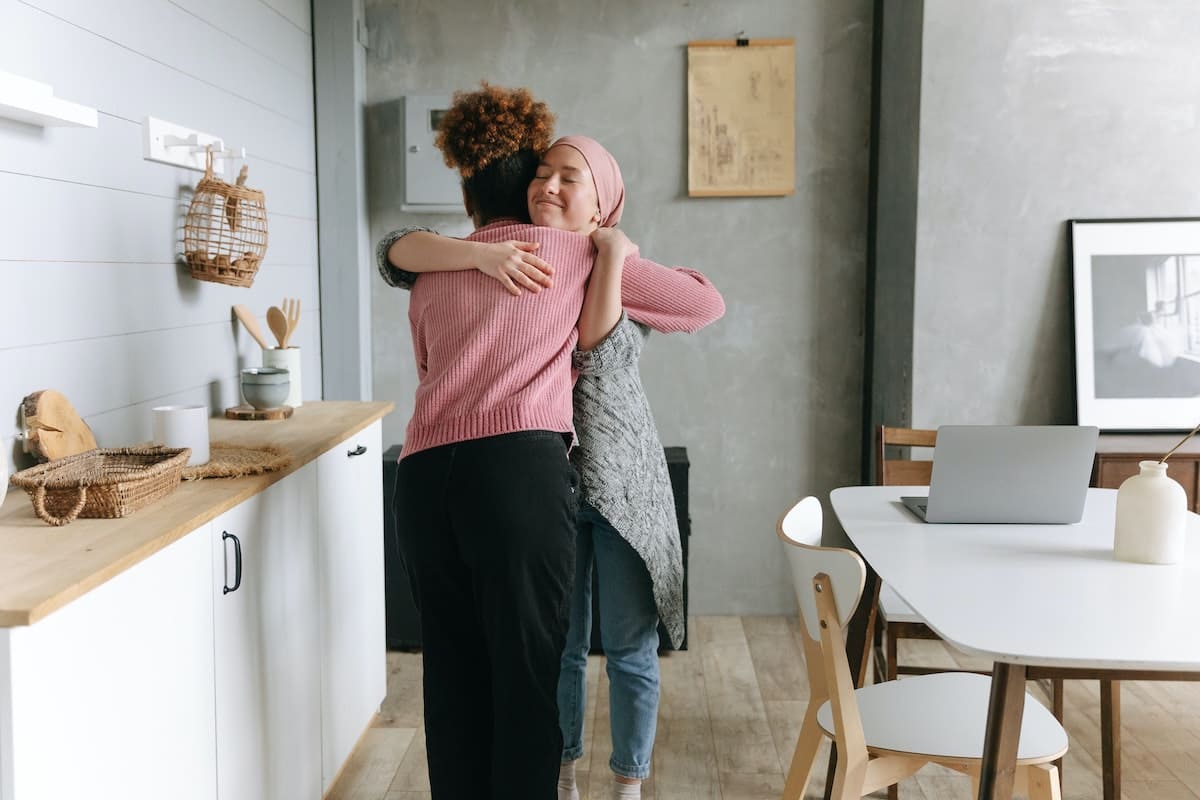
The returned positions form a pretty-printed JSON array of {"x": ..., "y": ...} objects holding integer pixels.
[{"x": 490, "y": 124}]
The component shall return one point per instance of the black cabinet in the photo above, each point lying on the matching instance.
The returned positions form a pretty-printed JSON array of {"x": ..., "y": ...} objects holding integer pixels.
[{"x": 403, "y": 624}]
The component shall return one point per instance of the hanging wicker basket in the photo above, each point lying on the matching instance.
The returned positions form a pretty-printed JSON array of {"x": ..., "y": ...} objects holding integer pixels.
[{"x": 225, "y": 233}]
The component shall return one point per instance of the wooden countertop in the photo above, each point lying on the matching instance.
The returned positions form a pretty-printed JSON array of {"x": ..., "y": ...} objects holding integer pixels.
[{"x": 43, "y": 568}]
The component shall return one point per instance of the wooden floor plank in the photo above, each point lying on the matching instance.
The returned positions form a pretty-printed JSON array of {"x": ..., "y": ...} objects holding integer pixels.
[
  {"x": 754, "y": 786},
  {"x": 730, "y": 712},
  {"x": 685, "y": 763},
  {"x": 681, "y": 695},
  {"x": 403, "y": 707},
  {"x": 776, "y": 655},
  {"x": 741, "y": 732},
  {"x": 413, "y": 773},
  {"x": 373, "y": 764}
]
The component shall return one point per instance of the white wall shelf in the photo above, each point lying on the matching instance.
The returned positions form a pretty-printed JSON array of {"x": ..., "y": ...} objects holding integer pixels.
[{"x": 34, "y": 103}]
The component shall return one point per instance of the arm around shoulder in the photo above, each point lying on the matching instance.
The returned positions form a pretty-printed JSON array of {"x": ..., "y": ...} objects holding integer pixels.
[
  {"x": 407, "y": 252},
  {"x": 392, "y": 274}
]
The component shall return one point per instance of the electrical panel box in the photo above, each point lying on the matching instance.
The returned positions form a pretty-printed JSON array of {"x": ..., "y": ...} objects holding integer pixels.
[{"x": 429, "y": 185}]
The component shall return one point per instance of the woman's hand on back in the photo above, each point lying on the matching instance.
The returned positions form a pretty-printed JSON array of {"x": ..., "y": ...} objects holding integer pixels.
[
  {"x": 614, "y": 242},
  {"x": 515, "y": 266}
]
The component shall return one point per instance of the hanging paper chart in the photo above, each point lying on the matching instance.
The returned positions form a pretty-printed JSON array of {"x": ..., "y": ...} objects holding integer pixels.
[{"x": 741, "y": 117}]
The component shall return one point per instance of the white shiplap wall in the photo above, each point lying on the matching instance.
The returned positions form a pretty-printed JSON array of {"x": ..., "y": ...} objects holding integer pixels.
[{"x": 94, "y": 304}]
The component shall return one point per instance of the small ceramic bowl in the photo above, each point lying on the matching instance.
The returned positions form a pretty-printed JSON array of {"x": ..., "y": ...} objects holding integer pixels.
[
  {"x": 265, "y": 387},
  {"x": 266, "y": 375}
]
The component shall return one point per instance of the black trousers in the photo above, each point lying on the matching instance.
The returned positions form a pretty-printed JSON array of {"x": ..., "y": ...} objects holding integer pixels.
[{"x": 487, "y": 529}]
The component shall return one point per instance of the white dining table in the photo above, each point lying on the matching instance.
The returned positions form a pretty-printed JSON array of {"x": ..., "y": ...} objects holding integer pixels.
[{"x": 1029, "y": 596}]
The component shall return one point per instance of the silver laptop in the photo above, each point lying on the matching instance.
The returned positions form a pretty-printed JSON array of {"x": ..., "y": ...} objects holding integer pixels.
[{"x": 1008, "y": 473}]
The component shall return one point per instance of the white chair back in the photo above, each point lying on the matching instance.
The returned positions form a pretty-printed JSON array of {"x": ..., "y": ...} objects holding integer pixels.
[{"x": 800, "y": 530}]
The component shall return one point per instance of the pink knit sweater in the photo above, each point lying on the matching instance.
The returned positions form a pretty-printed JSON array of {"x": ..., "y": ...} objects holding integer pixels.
[{"x": 491, "y": 363}]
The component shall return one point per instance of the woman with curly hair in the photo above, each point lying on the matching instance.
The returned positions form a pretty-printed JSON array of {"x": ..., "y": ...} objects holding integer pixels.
[
  {"x": 628, "y": 528},
  {"x": 485, "y": 496}
]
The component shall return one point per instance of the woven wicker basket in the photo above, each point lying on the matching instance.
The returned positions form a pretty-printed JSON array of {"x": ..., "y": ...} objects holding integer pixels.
[
  {"x": 102, "y": 483},
  {"x": 225, "y": 232}
]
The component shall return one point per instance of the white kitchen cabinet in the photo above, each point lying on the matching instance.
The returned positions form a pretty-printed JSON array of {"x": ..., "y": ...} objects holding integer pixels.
[
  {"x": 267, "y": 664},
  {"x": 353, "y": 649},
  {"x": 112, "y": 696},
  {"x": 127, "y": 671}
]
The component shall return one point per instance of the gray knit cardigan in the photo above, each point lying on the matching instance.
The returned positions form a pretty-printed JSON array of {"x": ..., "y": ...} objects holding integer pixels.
[
  {"x": 622, "y": 469},
  {"x": 621, "y": 464}
]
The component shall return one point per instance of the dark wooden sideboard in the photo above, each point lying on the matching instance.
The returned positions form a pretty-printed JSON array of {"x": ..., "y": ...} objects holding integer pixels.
[{"x": 1118, "y": 454}]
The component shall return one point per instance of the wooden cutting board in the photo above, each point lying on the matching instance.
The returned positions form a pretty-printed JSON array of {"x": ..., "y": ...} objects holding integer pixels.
[
  {"x": 250, "y": 412},
  {"x": 53, "y": 428}
]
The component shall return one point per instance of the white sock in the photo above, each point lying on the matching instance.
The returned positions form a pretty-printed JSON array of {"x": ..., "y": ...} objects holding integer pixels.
[
  {"x": 567, "y": 790},
  {"x": 626, "y": 791}
]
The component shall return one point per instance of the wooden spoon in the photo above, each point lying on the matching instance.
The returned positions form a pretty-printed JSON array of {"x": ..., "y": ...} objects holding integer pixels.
[
  {"x": 278, "y": 324},
  {"x": 248, "y": 319}
]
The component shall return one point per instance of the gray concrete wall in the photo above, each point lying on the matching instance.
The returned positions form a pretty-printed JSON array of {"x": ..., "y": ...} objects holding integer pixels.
[
  {"x": 1033, "y": 113},
  {"x": 767, "y": 401}
]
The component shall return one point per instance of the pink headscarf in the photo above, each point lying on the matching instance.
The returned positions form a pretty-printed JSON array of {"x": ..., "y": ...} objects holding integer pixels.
[{"x": 605, "y": 172}]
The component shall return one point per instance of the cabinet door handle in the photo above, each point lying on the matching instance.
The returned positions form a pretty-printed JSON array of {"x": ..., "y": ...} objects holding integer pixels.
[
  {"x": 358, "y": 451},
  {"x": 237, "y": 562}
]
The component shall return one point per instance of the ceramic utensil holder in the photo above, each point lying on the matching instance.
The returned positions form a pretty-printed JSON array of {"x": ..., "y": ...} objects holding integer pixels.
[
  {"x": 183, "y": 426},
  {"x": 1151, "y": 517},
  {"x": 286, "y": 358}
]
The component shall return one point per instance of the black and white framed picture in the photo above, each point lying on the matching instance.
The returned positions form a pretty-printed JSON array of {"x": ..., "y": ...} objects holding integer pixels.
[{"x": 1137, "y": 322}]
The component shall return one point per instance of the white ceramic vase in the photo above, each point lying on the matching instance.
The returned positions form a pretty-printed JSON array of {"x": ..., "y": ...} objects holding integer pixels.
[{"x": 1151, "y": 517}]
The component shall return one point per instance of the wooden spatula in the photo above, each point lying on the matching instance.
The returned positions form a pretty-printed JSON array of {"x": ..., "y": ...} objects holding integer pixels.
[{"x": 251, "y": 323}]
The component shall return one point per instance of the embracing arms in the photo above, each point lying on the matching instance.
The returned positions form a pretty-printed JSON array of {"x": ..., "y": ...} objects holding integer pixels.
[
  {"x": 627, "y": 295},
  {"x": 667, "y": 300},
  {"x": 404, "y": 254}
]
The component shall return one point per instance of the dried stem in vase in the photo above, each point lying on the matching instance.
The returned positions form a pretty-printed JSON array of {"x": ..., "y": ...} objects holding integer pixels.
[{"x": 1180, "y": 444}]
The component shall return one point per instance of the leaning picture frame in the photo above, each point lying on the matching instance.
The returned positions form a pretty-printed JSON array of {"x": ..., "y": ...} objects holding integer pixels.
[{"x": 1136, "y": 292}]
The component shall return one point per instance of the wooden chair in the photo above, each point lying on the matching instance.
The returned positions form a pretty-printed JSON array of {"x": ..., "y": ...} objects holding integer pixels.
[
  {"x": 888, "y": 731},
  {"x": 894, "y": 619}
]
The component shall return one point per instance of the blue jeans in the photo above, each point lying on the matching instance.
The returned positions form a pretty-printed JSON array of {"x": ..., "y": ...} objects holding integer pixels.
[{"x": 629, "y": 632}]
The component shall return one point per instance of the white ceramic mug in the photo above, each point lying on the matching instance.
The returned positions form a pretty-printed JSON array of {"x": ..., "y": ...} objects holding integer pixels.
[
  {"x": 183, "y": 426},
  {"x": 288, "y": 358}
]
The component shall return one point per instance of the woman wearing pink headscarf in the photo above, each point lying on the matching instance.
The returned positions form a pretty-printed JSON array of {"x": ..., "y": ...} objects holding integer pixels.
[{"x": 627, "y": 525}]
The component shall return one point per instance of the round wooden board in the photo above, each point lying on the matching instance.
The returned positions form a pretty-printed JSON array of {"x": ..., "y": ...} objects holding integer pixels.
[
  {"x": 250, "y": 412},
  {"x": 53, "y": 428}
]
